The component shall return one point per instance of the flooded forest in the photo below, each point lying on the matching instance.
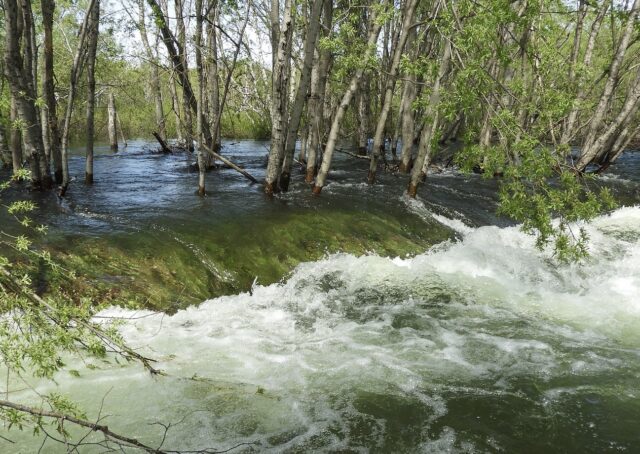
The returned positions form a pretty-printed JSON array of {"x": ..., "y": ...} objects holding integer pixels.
[{"x": 334, "y": 226}]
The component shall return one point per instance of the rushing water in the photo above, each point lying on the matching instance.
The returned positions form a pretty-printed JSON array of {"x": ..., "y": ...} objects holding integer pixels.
[{"x": 480, "y": 344}]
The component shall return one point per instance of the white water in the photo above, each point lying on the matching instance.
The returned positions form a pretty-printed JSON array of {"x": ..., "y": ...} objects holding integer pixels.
[{"x": 446, "y": 351}]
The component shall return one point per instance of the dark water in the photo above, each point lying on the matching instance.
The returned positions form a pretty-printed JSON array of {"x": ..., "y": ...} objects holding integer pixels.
[{"x": 478, "y": 344}]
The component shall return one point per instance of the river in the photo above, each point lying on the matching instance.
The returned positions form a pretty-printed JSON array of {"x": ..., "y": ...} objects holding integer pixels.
[{"x": 479, "y": 343}]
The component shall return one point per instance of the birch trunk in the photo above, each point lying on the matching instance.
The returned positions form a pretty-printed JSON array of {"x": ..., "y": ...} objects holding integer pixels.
[
  {"x": 301, "y": 94},
  {"x": 19, "y": 72},
  {"x": 342, "y": 108},
  {"x": 378, "y": 138},
  {"x": 154, "y": 82},
  {"x": 112, "y": 126},
  {"x": 280, "y": 84},
  {"x": 409, "y": 94},
  {"x": 94, "y": 24},
  {"x": 592, "y": 143},
  {"x": 76, "y": 71},
  {"x": 188, "y": 96},
  {"x": 568, "y": 132},
  {"x": 50, "y": 117},
  {"x": 432, "y": 116},
  {"x": 317, "y": 101}
]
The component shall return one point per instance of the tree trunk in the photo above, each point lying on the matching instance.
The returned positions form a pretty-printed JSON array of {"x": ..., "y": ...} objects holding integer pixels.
[
  {"x": 378, "y": 138},
  {"x": 112, "y": 125},
  {"x": 76, "y": 71},
  {"x": 280, "y": 84},
  {"x": 318, "y": 90},
  {"x": 188, "y": 97},
  {"x": 15, "y": 137},
  {"x": 48, "y": 92},
  {"x": 5, "y": 154},
  {"x": 302, "y": 93},
  {"x": 431, "y": 125},
  {"x": 568, "y": 131},
  {"x": 19, "y": 72},
  {"x": 372, "y": 37},
  {"x": 592, "y": 143},
  {"x": 154, "y": 82},
  {"x": 215, "y": 114},
  {"x": 409, "y": 94},
  {"x": 92, "y": 46}
]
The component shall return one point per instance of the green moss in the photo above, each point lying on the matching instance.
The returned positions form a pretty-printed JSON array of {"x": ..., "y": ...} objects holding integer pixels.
[{"x": 164, "y": 271}]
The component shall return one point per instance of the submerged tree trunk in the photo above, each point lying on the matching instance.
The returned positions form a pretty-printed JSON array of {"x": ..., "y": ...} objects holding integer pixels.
[
  {"x": 50, "y": 112},
  {"x": 92, "y": 46},
  {"x": 112, "y": 125},
  {"x": 302, "y": 92},
  {"x": 432, "y": 119},
  {"x": 378, "y": 138},
  {"x": 154, "y": 82},
  {"x": 19, "y": 72},
  {"x": 594, "y": 141},
  {"x": 332, "y": 139},
  {"x": 188, "y": 96},
  {"x": 317, "y": 100},
  {"x": 280, "y": 84},
  {"x": 76, "y": 71}
]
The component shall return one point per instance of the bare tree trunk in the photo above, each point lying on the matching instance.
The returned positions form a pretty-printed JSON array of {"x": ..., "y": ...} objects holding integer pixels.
[
  {"x": 302, "y": 92},
  {"x": 188, "y": 98},
  {"x": 19, "y": 72},
  {"x": 112, "y": 125},
  {"x": 364, "y": 111},
  {"x": 92, "y": 46},
  {"x": 431, "y": 125},
  {"x": 569, "y": 125},
  {"x": 592, "y": 143},
  {"x": 50, "y": 112},
  {"x": 332, "y": 139},
  {"x": 76, "y": 71},
  {"x": 280, "y": 84},
  {"x": 318, "y": 90},
  {"x": 378, "y": 138},
  {"x": 409, "y": 94},
  {"x": 202, "y": 161},
  {"x": 154, "y": 82},
  {"x": 215, "y": 114}
]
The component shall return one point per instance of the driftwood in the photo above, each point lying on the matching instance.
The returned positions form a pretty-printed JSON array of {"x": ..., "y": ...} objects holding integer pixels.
[
  {"x": 353, "y": 154},
  {"x": 230, "y": 164},
  {"x": 163, "y": 145}
]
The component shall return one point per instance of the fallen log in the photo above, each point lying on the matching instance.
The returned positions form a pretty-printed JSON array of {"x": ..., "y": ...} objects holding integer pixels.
[
  {"x": 163, "y": 145},
  {"x": 230, "y": 164}
]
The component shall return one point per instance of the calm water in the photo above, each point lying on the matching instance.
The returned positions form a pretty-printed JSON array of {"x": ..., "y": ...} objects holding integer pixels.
[{"x": 479, "y": 344}]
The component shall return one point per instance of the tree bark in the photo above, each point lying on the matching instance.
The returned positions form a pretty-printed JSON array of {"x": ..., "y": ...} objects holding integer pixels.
[
  {"x": 592, "y": 143},
  {"x": 432, "y": 119},
  {"x": 154, "y": 82},
  {"x": 302, "y": 93},
  {"x": 332, "y": 139},
  {"x": 15, "y": 137},
  {"x": 279, "y": 89},
  {"x": 318, "y": 90},
  {"x": 92, "y": 47},
  {"x": 112, "y": 125},
  {"x": 76, "y": 71},
  {"x": 188, "y": 96},
  {"x": 19, "y": 72},
  {"x": 48, "y": 92},
  {"x": 378, "y": 138}
]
